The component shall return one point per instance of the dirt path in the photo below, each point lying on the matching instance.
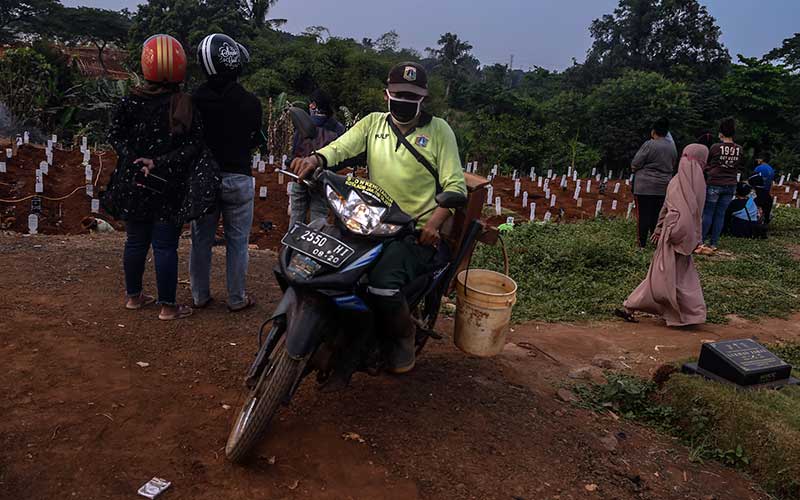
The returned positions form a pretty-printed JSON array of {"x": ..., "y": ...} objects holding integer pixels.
[{"x": 82, "y": 420}]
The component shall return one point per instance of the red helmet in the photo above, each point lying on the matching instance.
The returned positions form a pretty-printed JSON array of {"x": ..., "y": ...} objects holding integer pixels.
[{"x": 163, "y": 59}]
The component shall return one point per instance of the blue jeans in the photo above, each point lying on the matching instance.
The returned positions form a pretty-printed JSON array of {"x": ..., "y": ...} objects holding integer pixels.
[
  {"x": 236, "y": 207},
  {"x": 304, "y": 201},
  {"x": 164, "y": 239},
  {"x": 717, "y": 200}
]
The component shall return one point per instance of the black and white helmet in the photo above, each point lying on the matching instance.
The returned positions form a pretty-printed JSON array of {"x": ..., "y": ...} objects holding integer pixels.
[{"x": 219, "y": 54}]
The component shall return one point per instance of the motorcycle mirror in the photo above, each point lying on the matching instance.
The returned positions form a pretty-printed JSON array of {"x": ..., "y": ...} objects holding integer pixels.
[
  {"x": 302, "y": 122},
  {"x": 450, "y": 199}
]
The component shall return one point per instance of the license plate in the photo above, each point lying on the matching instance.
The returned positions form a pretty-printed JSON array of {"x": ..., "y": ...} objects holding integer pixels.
[{"x": 317, "y": 245}]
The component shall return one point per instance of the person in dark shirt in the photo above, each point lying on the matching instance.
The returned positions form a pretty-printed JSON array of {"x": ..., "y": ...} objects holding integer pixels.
[
  {"x": 742, "y": 219},
  {"x": 162, "y": 178},
  {"x": 724, "y": 163},
  {"x": 233, "y": 128},
  {"x": 303, "y": 202},
  {"x": 763, "y": 196},
  {"x": 653, "y": 166}
]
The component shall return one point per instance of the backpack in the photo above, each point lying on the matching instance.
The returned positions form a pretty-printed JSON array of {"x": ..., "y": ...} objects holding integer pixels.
[{"x": 324, "y": 137}]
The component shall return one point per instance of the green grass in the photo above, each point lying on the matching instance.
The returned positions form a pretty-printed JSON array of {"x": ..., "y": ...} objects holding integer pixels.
[
  {"x": 757, "y": 431},
  {"x": 582, "y": 271}
]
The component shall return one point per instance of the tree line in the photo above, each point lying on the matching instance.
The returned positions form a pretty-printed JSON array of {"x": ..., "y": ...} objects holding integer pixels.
[{"x": 649, "y": 58}]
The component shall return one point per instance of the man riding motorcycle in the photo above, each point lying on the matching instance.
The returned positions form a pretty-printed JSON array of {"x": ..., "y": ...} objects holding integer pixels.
[{"x": 413, "y": 156}]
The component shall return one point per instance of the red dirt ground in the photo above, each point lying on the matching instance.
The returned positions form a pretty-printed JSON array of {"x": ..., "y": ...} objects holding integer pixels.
[{"x": 82, "y": 420}]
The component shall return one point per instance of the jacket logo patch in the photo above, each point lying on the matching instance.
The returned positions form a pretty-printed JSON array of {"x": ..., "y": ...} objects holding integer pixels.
[
  {"x": 381, "y": 136},
  {"x": 410, "y": 73},
  {"x": 422, "y": 141}
]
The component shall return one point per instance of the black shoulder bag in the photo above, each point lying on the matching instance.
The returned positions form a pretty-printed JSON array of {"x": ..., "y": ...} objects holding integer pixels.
[{"x": 411, "y": 149}]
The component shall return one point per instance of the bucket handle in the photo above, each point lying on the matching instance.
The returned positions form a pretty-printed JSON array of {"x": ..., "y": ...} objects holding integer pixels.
[{"x": 469, "y": 263}]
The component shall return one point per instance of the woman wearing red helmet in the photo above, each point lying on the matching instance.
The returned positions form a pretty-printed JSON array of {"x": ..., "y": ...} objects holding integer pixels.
[{"x": 163, "y": 177}]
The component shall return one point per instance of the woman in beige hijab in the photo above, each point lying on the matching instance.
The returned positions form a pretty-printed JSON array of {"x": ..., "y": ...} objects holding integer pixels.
[{"x": 672, "y": 287}]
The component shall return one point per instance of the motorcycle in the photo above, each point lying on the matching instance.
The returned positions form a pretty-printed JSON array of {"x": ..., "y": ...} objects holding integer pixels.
[{"x": 324, "y": 322}]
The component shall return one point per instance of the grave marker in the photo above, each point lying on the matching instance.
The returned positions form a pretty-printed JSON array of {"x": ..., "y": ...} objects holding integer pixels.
[
  {"x": 787, "y": 189},
  {"x": 510, "y": 221},
  {"x": 553, "y": 201},
  {"x": 614, "y": 205},
  {"x": 55, "y": 139},
  {"x": 9, "y": 153},
  {"x": 533, "y": 212},
  {"x": 497, "y": 208},
  {"x": 2, "y": 167},
  {"x": 597, "y": 177},
  {"x": 783, "y": 177},
  {"x": 589, "y": 186},
  {"x": 577, "y": 193},
  {"x": 550, "y": 173},
  {"x": 271, "y": 160},
  {"x": 627, "y": 182},
  {"x": 514, "y": 175},
  {"x": 90, "y": 190},
  {"x": 539, "y": 182},
  {"x": 95, "y": 205},
  {"x": 794, "y": 195},
  {"x": 26, "y": 137},
  {"x": 262, "y": 167},
  {"x": 610, "y": 174},
  {"x": 569, "y": 171},
  {"x": 39, "y": 187},
  {"x": 532, "y": 174},
  {"x": 262, "y": 192},
  {"x": 599, "y": 208},
  {"x": 524, "y": 199},
  {"x": 594, "y": 171},
  {"x": 33, "y": 223},
  {"x": 489, "y": 193},
  {"x": 574, "y": 176},
  {"x": 616, "y": 188},
  {"x": 548, "y": 216},
  {"x": 742, "y": 362},
  {"x": 630, "y": 208},
  {"x": 283, "y": 160},
  {"x": 517, "y": 186},
  {"x": 580, "y": 202}
]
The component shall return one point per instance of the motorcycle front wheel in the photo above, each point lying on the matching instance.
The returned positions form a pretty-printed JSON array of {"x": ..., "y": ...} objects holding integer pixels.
[{"x": 261, "y": 403}]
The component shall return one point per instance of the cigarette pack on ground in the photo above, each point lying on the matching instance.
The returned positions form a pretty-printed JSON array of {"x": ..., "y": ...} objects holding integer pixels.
[{"x": 154, "y": 487}]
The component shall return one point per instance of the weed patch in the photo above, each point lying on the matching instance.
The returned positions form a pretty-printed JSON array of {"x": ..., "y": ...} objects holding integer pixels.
[{"x": 582, "y": 271}]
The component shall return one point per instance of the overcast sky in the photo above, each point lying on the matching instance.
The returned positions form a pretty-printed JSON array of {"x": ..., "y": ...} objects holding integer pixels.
[{"x": 547, "y": 33}]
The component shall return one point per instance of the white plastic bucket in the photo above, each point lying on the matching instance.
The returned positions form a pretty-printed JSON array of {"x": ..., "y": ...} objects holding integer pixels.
[{"x": 483, "y": 311}]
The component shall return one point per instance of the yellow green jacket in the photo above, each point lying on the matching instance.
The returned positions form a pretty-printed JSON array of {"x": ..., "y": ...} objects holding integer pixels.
[{"x": 394, "y": 168}]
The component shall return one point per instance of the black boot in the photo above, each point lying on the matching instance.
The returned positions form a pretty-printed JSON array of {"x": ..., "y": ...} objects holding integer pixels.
[{"x": 401, "y": 332}]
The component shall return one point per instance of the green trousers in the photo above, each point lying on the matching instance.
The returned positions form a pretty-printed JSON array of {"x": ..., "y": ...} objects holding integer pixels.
[{"x": 401, "y": 262}]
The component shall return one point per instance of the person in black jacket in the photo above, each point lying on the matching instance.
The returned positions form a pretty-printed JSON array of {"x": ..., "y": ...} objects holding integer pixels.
[
  {"x": 162, "y": 179},
  {"x": 233, "y": 128}
]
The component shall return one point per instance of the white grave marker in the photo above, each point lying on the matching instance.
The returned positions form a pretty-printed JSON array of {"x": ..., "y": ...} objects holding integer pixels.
[
  {"x": 33, "y": 223},
  {"x": 787, "y": 189},
  {"x": 610, "y": 174},
  {"x": 55, "y": 139},
  {"x": 574, "y": 176},
  {"x": 616, "y": 188},
  {"x": 262, "y": 192},
  {"x": 589, "y": 186},
  {"x": 550, "y": 173},
  {"x": 510, "y": 221},
  {"x": 539, "y": 182},
  {"x": 553, "y": 201},
  {"x": 489, "y": 193},
  {"x": 289, "y": 187},
  {"x": 580, "y": 202},
  {"x": 614, "y": 205},
  {"x": 630, "y": 209},
  {"x": 262, "y": 167},
  {"x": 517, "y": 187},
  {"x": 532, "y": 173},
  {"x": 283, "y": 160},
  {"x": 577, "y": 193},
  {"x": 497, "y": 208},
  {"x": 2, "y": 167},
  {"x": 794, "y": 195},
  {"x": 627, "y": 182},
  {"x": 26, "y": 137},
  {"x": 90, "y": 190},
  {"x": 95, "y": 205},
  {"x": 783, "y": 177},
  {"x": 594, "y": 171},
  {"x": 598, "y": 208},
  {"x": 548, "y": 216},
  {"x": 514, "y": 175},
  {"x": 39, "y": 187},
  {"x": 524, "y": 199},
  {"x": 9, "y": 153},
  {"x": 598, "y": 177},
  {"x": 738, "y": 177}
]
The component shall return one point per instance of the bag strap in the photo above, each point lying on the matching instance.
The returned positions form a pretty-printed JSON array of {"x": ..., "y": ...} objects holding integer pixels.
[{"x": 415, "y": 152}]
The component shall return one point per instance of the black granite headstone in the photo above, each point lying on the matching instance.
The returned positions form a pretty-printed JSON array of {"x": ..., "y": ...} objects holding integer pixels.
[{"x": 742, "y": 362}]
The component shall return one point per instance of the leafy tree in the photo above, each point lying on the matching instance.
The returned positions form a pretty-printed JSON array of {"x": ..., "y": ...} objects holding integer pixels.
[
  {"x": 622, "y": 110},
  {"x": 258, "y": 10},
  {"x": 96, "y": 26},
  {"x": 672, "y": 37},
  {"x": 388, "y": 42},
  {"x": 318, "y": 33},
  {"x": 27, "y": 83},
  {"x": 788, "y": 53},
  {"x": 25, "y": 16},
  {"x": 764, "y": 99},
  {"x": 453, "y": 59}
]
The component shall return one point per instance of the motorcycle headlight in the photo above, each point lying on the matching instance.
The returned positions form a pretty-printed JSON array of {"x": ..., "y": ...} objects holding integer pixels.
[{"x": 359, "y": 217}]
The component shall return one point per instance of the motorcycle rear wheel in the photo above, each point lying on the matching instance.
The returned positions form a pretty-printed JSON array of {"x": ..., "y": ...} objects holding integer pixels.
[{"x": 262, "y": 403}]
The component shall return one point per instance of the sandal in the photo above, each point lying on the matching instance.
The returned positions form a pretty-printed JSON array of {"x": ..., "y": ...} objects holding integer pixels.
[
  {"x": 625, "y": 315},
  {"x": 248, "y": 303},
  {"x": 143, "y": 300},
  {"x": 180, "y": 313}
]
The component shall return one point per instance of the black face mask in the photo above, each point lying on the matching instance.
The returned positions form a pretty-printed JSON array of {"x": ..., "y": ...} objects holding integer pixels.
[{"x": 402, "y": 111}]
